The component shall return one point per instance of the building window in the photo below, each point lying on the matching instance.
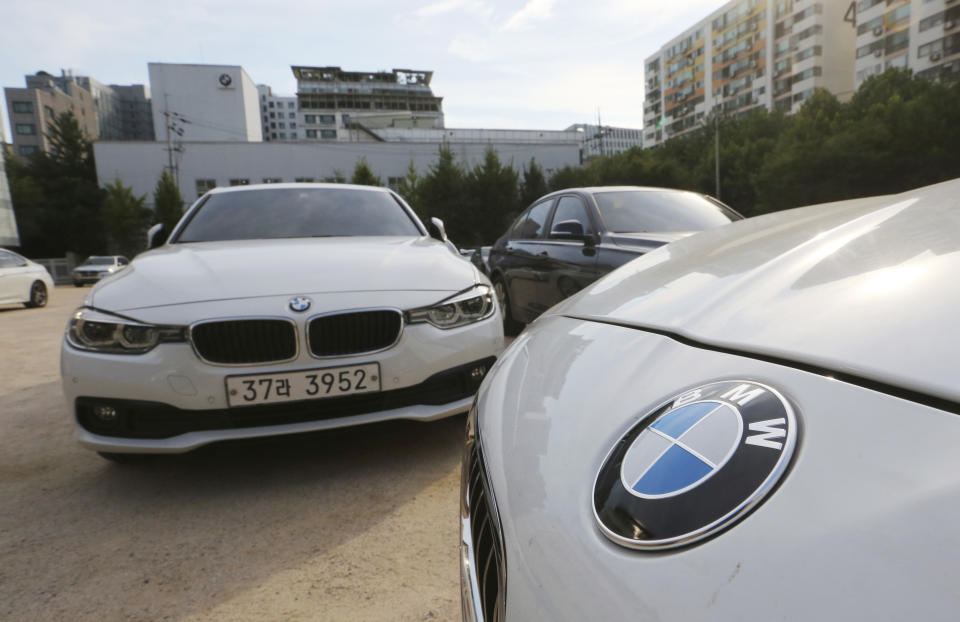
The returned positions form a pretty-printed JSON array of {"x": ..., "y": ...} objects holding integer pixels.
[
  {"x": 26, "y": 150},
  {"x": 47, "y": 110},
  {"x": 273, "y": 115},
  {"x": 328, "y": 133},
  {"x": 273, "y": 180},
  {"x": 293, "y": 135},
  {"x": 240, "y": 182},
  {"x": 23, "y": 107},
  {"x": 283, "y": 125},
  {"x": 273, "y": 134},
  {"x": 26, "y": 129},
  {"x": 311, "y": 133},
  {"x": 273, "y": 125},
  {"x": 310, "y": 118},
  {"x": 291, "y": 115},
  {"x": 283, "y": 135},
  {"x": 304, "y": 180},
  {"x": 271, "y": 104},
  {"x": 290, "y": 104},
  {"x": 293, "y": 125},
  {"x": 205, "y": 185},
  {"x": 329, "y": 119}
]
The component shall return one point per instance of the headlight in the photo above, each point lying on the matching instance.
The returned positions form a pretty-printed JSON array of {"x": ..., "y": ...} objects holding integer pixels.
[
  {"x": 470, "y": 306},
  {"x": 97, "y": 331}
]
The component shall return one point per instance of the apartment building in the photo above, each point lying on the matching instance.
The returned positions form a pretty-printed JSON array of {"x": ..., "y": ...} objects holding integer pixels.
[
  {"x": 8, "y": 222},
  {"x": 278, "y": 115},
  {"x": 123, "y": 110},
  {"x": 33, "y": 109},
  {"x": 922, "y": 35},
  {"x": 746, "y": 55},
  {"x": 334, "y": 104}
]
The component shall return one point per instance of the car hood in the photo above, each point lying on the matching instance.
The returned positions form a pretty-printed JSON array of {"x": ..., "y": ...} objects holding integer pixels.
[
  {"x": 196, "y": 272},
  {"x": 864, "y": 287}
]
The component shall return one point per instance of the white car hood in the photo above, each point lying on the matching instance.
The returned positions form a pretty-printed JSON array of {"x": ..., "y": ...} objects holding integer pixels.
[
  {"x": 196, "y": 272},
  {"x": 864, "y": 287}
]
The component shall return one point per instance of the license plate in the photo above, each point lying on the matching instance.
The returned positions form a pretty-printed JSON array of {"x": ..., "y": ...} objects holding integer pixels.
[{"x": 303, "y": 385}]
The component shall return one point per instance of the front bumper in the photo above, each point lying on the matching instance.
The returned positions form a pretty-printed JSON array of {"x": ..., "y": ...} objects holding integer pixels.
[
  {"x": 85, "y": 278},
  {"x": 169, "y": 401}
]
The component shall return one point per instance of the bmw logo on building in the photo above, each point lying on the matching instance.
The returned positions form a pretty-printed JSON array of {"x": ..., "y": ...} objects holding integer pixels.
[
  {"x": 300, "y": 304},
  {"x": 695, "y": 465}
]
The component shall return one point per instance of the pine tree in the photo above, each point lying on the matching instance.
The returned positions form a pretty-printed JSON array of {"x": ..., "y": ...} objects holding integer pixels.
[
  {"x": 167, "y": 202},
  {"x": 363, "y": 176},
  {"x": 124, "y": 217}
]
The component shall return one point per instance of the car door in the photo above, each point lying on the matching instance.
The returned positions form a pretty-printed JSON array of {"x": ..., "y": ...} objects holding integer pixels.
[
  {"x": 568, "y": 254},
  {"x": 518, "y": 264},
  {"x": 14, "y": 278}
]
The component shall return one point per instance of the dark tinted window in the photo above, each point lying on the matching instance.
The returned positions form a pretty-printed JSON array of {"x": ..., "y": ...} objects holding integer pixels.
[
  {"x": 637, "y": 211},
  {"x": 571, "y": 208},
  {"x": 297, "y": 213},
  {"x": 530, "y": 225}
]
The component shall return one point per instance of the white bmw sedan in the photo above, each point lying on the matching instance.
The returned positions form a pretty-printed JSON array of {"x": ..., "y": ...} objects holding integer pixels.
[
  {"x": 22, "y": 280},
  {"x": 759, "y": 422},
  {"x": 274, "y": 310}
]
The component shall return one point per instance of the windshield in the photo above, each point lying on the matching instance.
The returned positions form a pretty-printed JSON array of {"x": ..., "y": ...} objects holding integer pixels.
[
  {"x": 297, "y": 213},
  {"x": 98, "y": 261},
  {"x": 660, "y": 211}
]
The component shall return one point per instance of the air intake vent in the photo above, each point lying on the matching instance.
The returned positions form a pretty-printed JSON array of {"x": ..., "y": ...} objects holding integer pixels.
[
  {"x": 355, "y": 332},
  {"x": 241, "y": 342}
]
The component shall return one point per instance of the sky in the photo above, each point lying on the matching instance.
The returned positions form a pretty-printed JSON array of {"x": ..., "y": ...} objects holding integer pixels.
[{"x": 498, "y": 64}]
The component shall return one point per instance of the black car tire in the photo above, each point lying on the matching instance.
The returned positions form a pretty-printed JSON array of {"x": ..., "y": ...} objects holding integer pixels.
[
  {"x": 38, "y": 295},
  {"x": 511, "y": 326}
]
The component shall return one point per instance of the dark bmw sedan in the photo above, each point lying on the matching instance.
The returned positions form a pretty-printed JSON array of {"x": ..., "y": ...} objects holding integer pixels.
[{"x": 570, "y": 238}]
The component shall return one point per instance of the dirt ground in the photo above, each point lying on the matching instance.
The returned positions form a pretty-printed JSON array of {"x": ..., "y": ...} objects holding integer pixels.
[{"x": 356, "y": 524}]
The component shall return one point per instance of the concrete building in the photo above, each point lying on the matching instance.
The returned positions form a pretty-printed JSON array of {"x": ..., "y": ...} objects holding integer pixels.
[
  {"x": 337, "y": 105},
  {"x": 205, "y": 165},
  {"x": 278, "y": 115},
  {"x": 745, "y": 55},
  {"x": 216, "y": 103},
  {"x": 32, "y": 110},
  {"x": 123, "y": 111},
  {"x": 922, "y": 35},
  {"x": 599, "y": 140},
  {"x": 8, "y": 222}
]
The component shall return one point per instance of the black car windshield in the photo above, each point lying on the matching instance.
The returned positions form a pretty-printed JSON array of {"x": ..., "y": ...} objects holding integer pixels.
[
  {"x": 660, "y": 211},
  {"x": 99, "y": 261},
  {"x": 297, "y": 213}
]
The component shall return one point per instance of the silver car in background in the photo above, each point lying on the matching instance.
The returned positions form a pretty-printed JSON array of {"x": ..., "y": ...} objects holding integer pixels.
[
  {"x": 758, "y": 422},
  {"x": 98, "y": 267}
]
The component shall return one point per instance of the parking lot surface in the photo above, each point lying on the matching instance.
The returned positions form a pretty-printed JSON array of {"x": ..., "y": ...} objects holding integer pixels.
[{"x": 355, "y": 524}]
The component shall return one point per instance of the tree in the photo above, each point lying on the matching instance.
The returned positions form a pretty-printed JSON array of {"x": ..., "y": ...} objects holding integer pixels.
[
  {"x": 534, "y": 184},
  {"x": 362, "y": 175},
  {"x": 409, "y": 189},
  {"x": 491, "y": 199},
  {"x": 124, "y": 217},
  {"x": 55, "y": 195},
  {"x": 442, "y": 189},
  {"x": 167, "y": 202}
]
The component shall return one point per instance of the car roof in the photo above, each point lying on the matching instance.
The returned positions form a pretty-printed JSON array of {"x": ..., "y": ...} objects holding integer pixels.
[
  {"x": 602, "y": 189},
  {"x": 296, "y": 185}
]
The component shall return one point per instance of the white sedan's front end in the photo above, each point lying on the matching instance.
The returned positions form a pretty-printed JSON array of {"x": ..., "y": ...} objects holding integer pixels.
[{"x": 226, "y": 339}]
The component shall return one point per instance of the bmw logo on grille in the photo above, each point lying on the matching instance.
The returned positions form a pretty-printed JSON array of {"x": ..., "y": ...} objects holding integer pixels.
[
  {"x": 695, "y": 465},
  {"x": 300, "y": 304}
]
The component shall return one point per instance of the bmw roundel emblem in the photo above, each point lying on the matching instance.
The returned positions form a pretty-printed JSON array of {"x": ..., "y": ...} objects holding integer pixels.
[
  {"x": 300, "y": 304},
  {"x": 225, "y": 80},
  {"x": 695, "y": 465}
]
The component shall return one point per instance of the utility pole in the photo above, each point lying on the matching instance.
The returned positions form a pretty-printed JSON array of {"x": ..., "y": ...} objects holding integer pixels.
[
  {"x": 170, "y": 121},
  {"x": 716, "y": 141}
]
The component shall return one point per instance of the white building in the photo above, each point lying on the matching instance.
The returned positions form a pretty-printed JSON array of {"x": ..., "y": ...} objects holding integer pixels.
[
  {"x": 922, "y": 35},
  {"x": 278, "y": 115},
  {"x": 600, "y": 140},
  {"x": 205, "y": 165},
  {"x": 745, "y": 55},
  {"x": 8, "y": 223},
  {"x": 204, "y": 103}
]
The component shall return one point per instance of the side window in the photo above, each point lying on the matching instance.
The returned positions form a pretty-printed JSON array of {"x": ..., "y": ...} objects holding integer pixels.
[
  {"x": 124, "y": 261},
  {"x": 7, "y": 260},
  {"x": 530, "y": 225},
  {"x": 571, "y": 209}
]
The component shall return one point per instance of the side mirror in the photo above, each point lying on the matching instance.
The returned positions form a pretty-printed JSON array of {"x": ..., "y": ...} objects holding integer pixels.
[
  {"x": 157, "y": 235},
  {"x": 567, "y": 230},
  {"x": 436, "y": 229}
]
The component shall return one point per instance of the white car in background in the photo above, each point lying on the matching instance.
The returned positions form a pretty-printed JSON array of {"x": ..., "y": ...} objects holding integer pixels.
[
  {"x": 23, "y": 281},
  {"x": 758, "y": 422},
  {"x": 279, "y": 309},
  {"x": 98, "y": 267}
]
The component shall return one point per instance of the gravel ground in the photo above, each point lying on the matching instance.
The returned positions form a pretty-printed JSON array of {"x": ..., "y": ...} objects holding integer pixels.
[{"x": 356, "y": 524}]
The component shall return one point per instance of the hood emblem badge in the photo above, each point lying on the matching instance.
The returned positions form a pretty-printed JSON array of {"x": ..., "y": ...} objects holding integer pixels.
[{"x": 300, "y": 304}]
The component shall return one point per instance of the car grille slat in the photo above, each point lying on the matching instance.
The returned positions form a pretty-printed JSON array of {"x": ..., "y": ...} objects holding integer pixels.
[
  {"x": 354, "y": 332},
  {"x": 488, "y": 554},
  {"x": 239, "y": 342}
]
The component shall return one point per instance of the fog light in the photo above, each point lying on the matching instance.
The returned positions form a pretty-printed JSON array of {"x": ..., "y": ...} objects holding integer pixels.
[
  {"x": 106, "y": 414},
  {"x": 477, "y": 372}
]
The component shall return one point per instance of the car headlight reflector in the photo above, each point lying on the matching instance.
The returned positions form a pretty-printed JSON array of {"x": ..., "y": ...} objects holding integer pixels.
[
  {"x": 471, "y": 306},
  {"x": 97, "y": 331}
]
